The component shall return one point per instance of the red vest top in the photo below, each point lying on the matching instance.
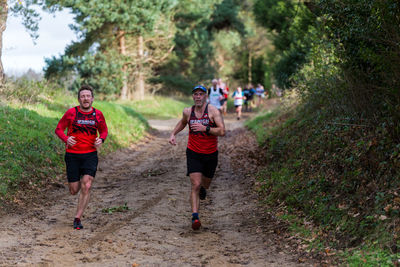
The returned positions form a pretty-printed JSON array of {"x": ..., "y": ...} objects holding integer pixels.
[{"x": 202, "y": 142}]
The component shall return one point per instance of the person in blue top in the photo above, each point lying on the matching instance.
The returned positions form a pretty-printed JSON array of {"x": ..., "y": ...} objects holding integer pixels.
[{"x": 248, "y": 92}]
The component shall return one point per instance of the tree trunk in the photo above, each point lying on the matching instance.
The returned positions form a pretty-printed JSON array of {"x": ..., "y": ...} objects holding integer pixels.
[
  {"x": 122, "y": 49},
  {"x": 140, "y": 76},
  {"x": 3, "y": 21},
  {"x": 249, "y": 66}
]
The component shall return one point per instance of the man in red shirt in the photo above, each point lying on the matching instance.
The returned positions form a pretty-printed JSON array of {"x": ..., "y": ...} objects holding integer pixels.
[
  {"x": 83, "y": 123},
  {"x": 205, "y": 125}
]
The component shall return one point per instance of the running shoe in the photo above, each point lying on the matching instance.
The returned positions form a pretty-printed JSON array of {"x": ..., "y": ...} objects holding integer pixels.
[
  {"x": 202, "y": 193},
  {"x": 196, "y": 223},
  {"x": 77, "y": 224}
]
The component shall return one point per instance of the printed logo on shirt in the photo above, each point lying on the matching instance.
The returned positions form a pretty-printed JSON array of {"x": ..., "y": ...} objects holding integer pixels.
[
  {"x": 86, "y": 122},
  {"x": 201, "y": 121}
]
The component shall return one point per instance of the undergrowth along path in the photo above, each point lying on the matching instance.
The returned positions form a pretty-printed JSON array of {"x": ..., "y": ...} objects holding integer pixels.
[{"x": 150, "y": 180}]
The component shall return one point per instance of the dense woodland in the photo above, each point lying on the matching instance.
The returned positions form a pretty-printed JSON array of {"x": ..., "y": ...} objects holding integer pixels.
[{"x": 339, "y": 59}]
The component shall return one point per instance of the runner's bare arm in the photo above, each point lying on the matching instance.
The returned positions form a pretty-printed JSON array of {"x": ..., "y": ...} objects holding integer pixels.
[
  {"x": 219, "y": 121},
  {"x": 179, "y": 126}
]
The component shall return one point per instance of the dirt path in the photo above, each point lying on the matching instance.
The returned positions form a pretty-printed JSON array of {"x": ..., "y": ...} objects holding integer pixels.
[{"x": 155, "y": 231}]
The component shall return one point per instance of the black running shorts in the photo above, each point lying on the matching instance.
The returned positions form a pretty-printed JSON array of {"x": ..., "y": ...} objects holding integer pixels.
[
  {"x": 80, "y": 164},
  {"x": 204, "y": 163}
]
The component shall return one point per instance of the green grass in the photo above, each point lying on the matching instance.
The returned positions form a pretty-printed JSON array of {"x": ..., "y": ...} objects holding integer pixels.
[
  {"x": 159, "y": 107},
  {"x": 30, "y": 152},
  {"x": 371, "y": 256},
  {"x": 258, "y": 126}
]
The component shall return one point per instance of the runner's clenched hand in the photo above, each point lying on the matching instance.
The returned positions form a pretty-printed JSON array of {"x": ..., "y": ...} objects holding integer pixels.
[
  {"x": 98, "y": 142},
  {"x": 71, "y": 141},
  {"x": 172, "y": 140},
  {"x": 198, "y": 127}
]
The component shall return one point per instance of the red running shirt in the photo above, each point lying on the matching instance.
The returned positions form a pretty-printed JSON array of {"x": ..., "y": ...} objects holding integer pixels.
[
  {"x": 202, "y": 142},
  {"x": 84, "y": 127}
]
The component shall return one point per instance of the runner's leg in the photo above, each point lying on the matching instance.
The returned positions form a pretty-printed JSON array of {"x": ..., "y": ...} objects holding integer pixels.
[
  {"x": 205, "y": 182},
  {"x": 85, "y": 184},
  {"x": 74, "y": 187},
  {"x": 195, "y": 179},
  {"x": 225, "y": 106}
]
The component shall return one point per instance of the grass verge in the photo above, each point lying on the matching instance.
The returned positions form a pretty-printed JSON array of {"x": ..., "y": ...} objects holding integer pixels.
[{"x": 341, "y": 175}]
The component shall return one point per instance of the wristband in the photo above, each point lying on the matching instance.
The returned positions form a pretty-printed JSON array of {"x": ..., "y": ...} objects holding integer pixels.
[
  {"x": 208, "y": 129},
  {"x": 102, "y": 140}
]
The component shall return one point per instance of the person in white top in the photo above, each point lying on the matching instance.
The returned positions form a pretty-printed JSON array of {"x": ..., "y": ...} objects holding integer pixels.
[
  {"x": 260, "y": 93},
  {"x": 215, "y": 95},
  {"x": 238, "y": 98}
]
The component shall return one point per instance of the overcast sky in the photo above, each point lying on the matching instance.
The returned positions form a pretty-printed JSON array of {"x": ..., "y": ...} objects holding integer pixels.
[{"x": 19, "y": 52}]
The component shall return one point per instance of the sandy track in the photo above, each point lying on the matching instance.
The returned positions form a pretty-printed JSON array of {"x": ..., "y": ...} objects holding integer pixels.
[{"x": 155, "y": 231}]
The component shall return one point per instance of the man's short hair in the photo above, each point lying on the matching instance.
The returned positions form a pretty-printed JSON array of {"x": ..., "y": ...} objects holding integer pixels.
[{"x": 85, "y": 87}]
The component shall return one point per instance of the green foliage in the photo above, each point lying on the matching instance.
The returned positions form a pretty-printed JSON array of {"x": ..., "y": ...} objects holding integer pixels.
[
  {"x": 92, "y": 16},
  {"x": 255, "y": 52},
  {"x": 102, "y": 71},
  {"x": 290, "y": 24},
  {"x": 226, "y": 45},
  {"x": 173, "y": 82},
  {"x": 342, "y": 175},
  {"x": 274, "y": 15},
  {"x": 321, "y": 84},
  {"x": 342, "y": 170},
  {"x": 259, "y": 69},
  {"x": 365, "y": 36},
  {"x": 30, "y": 17},
  {"x": 353, "y": 74},
  {"x": 225, "y": 17},
  {"x": 192, "y": 58},
  {"x": 97, "y": 57},
  {"x": 198, "y": 43}
]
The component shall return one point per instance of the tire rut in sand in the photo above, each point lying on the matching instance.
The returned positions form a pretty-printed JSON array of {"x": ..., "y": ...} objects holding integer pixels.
[{"x": 103, "y": 233}]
